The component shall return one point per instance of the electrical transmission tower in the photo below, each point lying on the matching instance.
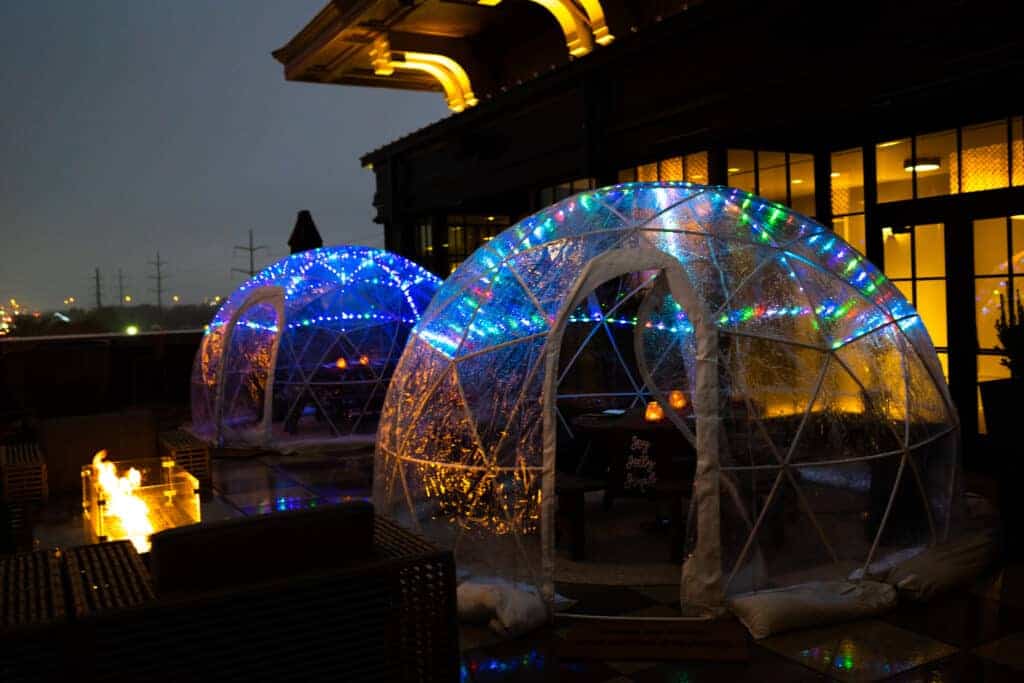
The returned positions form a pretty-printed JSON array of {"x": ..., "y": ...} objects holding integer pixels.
[
  {"x": 159, "y": 278},
  {"x": 99, "y": 289},
  {"x": 252, "y": 257}
]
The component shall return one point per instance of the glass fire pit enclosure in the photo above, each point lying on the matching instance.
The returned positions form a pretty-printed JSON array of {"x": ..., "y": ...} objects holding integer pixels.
[
  {"x": 134, "y": 499},
  {"x": 304, "y": 350},
  {"x": 824, "y": 434}
]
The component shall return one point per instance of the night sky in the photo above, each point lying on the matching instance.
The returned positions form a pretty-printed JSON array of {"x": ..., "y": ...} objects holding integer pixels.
[{"x": 128, "y": 127}]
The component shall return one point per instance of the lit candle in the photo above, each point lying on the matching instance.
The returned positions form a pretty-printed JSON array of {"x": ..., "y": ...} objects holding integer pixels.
[
  {"x": 677, "y": 399},
  {"x": 654, "y": 413}
]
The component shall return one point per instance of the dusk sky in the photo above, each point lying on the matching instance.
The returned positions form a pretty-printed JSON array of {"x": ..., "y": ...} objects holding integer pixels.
[{"x": 129, "y": 127}]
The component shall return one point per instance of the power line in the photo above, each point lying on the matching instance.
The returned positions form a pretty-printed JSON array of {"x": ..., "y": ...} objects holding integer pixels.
[
  {"x": 99, "y": 290},
  {"x": 252, "y": 257},
  {"x": 159, "y": 277}
]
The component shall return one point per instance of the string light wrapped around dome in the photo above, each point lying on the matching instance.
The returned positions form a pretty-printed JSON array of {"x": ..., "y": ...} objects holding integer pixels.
[
  {"x": 801, "y": 377},
  {"x": 304, "y": 349}
]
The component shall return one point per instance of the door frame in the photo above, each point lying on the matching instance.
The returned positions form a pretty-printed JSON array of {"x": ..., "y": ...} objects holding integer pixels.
[
  {"x": 274, "y": 296},
  {"x": 701, "y": 579}
]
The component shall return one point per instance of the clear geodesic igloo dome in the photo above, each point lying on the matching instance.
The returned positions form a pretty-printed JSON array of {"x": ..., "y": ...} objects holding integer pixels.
[
  {"x": 797, "y": 389},
  {"x": 304, "y": 350}
]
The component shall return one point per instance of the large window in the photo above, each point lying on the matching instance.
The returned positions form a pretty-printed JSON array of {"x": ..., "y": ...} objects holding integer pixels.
[
  {"x": 425, "y": 241},
  {"x": 784, "y": 177},
  {"x": 556, "y": 193},
  {"x": 847, "y": 192},
  {"x": 466, "y": 233},
  {"x": 915, "y": 261},
  {"x": 986, "y": 156},
  {"x": 998, "y": 275},
  {"x": 692, "y": 168}
]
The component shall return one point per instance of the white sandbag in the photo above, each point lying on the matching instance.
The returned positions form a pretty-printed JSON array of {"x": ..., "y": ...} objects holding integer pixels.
[
  {"x": 766, "y": 613},
  {"x": 945, "y": 566},
  {"x": 508, "y": 609}
]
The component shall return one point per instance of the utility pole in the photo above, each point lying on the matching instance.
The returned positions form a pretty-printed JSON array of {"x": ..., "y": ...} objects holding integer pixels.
[
  {"x": 159, "y": 278},
  {"x": 252, "y": 257},
  {"x": 120, "y": 287},
  {"x": 99, "y": 290}
]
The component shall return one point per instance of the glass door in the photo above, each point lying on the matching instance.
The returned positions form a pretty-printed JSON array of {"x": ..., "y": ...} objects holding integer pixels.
[
  {"x": 915, "y": 261},
  {"x": 998, "y": 279}
]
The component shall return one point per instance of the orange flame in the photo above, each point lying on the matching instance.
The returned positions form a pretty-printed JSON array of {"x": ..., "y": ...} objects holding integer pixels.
[
  {"x": 122, "y": 501},
  {"x": 654, "y": 413}
]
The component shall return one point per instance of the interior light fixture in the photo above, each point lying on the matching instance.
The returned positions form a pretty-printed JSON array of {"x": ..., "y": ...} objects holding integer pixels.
[
  {"x": 488, "y": 3},
  {"x": 733, "y": 169},
  {"x": 891, "y": 143},
  {"x": 796, "y": 181},
  {"x": 835, "y": 174},
  {"x": 922, "y": 164}
]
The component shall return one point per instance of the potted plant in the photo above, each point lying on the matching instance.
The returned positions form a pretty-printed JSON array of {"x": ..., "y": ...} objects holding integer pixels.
[{"x": 1000, "y": 397}]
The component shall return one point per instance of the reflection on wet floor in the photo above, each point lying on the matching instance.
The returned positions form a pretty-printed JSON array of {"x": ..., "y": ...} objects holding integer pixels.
[{"x": 973, "y": 634}]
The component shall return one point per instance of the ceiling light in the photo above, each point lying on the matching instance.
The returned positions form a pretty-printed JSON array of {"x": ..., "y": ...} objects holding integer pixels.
[
  {"x": 796, "y": 181},
  {"x": 922, "y": 164},
  {"x": 835, "y": 174},
  {"x": 734, "y": 170},
  {"x": 891, "y": 143}
]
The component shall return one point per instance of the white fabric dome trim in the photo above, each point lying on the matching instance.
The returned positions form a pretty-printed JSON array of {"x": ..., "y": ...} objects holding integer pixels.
[{"x": 468, "y": 431}]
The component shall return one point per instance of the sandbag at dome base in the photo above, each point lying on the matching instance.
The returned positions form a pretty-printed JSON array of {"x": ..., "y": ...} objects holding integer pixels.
[
  {"x": 942, "y": 567},
  {"x": 766, "y": 613},
  {"x": 508, "y": 609}
]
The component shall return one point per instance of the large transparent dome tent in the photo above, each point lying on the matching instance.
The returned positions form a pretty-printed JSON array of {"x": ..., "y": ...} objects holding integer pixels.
[
  {"x": 798, "y": 390},
  {"x": 303, "y": 351}
]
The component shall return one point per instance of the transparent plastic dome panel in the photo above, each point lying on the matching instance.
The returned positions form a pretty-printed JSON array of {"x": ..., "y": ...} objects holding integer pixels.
[
  {"x": 305, "y": 349},
  {"x": 821, "y": 422}
]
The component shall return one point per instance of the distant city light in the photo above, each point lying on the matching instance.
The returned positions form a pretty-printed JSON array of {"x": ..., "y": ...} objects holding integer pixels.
[
  {"x": 127, "y": 298},
  {"x": 175, "y": 298},
  {"x": 131, "y": 330}
]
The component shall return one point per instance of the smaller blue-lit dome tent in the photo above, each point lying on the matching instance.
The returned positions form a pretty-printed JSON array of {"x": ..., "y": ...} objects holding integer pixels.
[{"x": 304, "y": 350}]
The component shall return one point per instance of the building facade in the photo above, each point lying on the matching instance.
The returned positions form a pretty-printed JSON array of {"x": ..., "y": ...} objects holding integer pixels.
[{"x": 898, "y": 124}]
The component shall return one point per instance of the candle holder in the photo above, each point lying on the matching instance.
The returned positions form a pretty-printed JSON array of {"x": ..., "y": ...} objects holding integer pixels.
[
  {"x": 654, "y": 412},
  {"x": 677, "y": 399}
]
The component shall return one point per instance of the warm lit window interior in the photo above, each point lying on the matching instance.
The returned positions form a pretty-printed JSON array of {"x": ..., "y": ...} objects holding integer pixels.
[
  {"x": 998, "y": 270},
  {"x": 692, "y": 168},
  {"x": 556, "y": 193},
  {"x": 466, "y": 233},
  {"x": 425, "y": 239},
  {"x": 915, "y": 261},
  {"x": 784, "y": 177},
  {"x": 847, "y": 192},
  {"x": 985, "y": 156}
]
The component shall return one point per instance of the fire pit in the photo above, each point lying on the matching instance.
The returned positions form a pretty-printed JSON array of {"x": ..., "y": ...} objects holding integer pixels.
[{"x": 133, "y": 499}]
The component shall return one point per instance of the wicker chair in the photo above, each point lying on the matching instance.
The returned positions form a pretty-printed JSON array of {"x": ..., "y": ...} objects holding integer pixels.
[{"x": 385, "y": 612}]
